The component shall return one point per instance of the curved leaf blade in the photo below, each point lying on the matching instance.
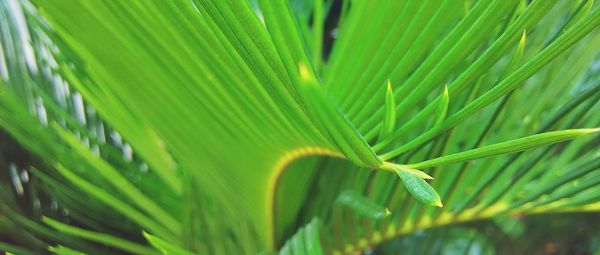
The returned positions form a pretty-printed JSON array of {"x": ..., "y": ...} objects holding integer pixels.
[
  {"x": 419, "y": 188},
  {"x": 362, "y": 205}
]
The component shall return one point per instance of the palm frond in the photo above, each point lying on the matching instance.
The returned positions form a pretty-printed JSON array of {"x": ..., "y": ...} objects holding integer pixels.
[{"x": 225, "y": 127}]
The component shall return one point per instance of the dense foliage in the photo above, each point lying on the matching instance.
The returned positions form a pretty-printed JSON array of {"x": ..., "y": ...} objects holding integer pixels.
[{"x": 304, "y": 127}]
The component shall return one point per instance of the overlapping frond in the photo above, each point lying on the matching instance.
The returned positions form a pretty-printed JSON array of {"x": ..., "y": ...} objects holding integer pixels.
[{"x": 181, "y": 125}]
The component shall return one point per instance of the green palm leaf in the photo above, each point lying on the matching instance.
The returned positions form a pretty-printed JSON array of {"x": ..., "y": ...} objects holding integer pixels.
[{"x": 227, "y": 127}]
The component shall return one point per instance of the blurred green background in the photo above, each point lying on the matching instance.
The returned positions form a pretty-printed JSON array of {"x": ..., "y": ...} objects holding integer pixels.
[{"x": 569, "y": 233}]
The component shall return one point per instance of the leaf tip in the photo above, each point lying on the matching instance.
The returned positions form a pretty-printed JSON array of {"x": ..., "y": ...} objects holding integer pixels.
[
  {"x": 593, "y": 130},
  {"x": 46, "y": 219},
  {"x": 446, "y": 96},
  {"x": 587, "y": 131},
  {"x": 304, "y": 72},
  {"x": 446, "y": 93}
]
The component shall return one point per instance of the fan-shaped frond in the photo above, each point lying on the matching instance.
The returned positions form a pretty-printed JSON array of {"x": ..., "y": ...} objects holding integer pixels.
[{"x": 227, "y": 127}]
